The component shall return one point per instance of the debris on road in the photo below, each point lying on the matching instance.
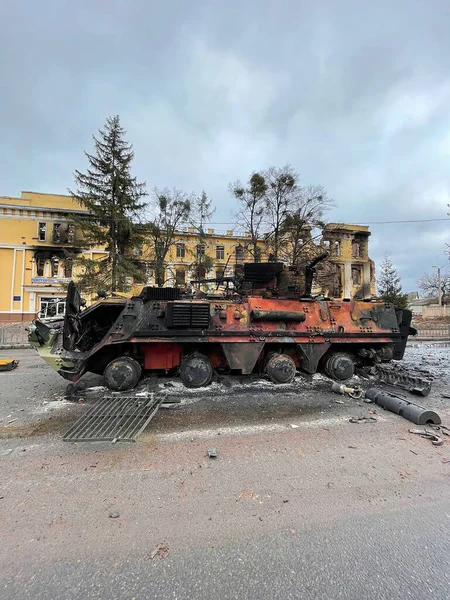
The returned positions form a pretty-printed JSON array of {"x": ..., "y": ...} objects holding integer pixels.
[
  {"x": 354, "y": 392},
  {"x": 161, "y": 551},
  {"x": 362, "y": 420},
  {"x": 408, "y": 410},
  {"x": 114, "y": 514},
  {"x": 114, "y": 419},
  {"x": 212, "y": 453},
  {"x": 8, "y": 364},
  {"x": 413, "y": 384},
  {"x": 248, "y": 494},
  {"x": 446, "y": 461},
  {"x": 429, "y": 435}
]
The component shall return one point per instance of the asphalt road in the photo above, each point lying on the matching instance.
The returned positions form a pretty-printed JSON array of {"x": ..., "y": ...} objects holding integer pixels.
[{"x": 299, "y": 503}]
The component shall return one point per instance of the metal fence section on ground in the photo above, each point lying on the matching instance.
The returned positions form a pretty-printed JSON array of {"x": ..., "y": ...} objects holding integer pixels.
[{"x": 13, "y": 335}]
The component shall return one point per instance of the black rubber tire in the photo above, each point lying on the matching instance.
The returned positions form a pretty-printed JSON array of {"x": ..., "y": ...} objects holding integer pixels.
[
  {"x": 196, "y": 370},
  {"x": 340, "y": 366},
  {"x": 122, "y": 373},
  {"x": 281, "y": 368}
]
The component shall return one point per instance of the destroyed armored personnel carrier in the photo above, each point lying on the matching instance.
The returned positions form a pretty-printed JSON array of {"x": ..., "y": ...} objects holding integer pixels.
[{"x": 266, "y": 322}]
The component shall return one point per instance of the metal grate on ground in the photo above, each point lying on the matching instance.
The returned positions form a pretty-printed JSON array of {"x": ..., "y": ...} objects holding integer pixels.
[{"x": 114, "y": 419}]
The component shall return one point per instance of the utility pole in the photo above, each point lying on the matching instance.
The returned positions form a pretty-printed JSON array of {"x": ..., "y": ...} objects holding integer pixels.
[{"x": 439, "y": 284}]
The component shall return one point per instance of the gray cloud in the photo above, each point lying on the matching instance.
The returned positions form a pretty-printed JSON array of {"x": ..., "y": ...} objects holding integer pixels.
[{"x": 354, "y": 95}]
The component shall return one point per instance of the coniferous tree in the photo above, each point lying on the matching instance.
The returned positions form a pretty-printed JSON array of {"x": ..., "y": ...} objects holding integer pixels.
[
  {"x": 389, "y": 284},
  {"x": 113, "y": 199}
]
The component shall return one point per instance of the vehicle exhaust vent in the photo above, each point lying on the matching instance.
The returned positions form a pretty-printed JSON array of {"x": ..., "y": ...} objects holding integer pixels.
[
  {"x": 187, "y": 314},
  {"x": 156, "y": 293}
]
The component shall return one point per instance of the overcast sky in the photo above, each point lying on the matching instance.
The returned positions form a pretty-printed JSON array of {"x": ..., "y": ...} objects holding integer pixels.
[{"x": 355, "y": 95}]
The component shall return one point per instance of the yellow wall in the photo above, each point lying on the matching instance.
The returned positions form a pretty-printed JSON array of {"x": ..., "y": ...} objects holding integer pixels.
[
  {"x": 19, "y": 242},
  {"x": 20, "y": 290}
]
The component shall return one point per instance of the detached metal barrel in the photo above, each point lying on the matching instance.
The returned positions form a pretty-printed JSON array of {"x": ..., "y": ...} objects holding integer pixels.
[{"x": 412, "y": 412}]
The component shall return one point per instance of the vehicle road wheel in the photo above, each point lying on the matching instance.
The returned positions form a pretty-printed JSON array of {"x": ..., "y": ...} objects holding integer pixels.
[
  {"x": 281, "y": 368},
  {"x": 340, "y": 366},
  {"x": 196, "y": 370},
  {"x": 122, "y": 373}
]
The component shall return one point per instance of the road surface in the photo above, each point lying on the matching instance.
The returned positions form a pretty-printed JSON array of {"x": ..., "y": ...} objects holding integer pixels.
[{"x": 299, "y": 503}]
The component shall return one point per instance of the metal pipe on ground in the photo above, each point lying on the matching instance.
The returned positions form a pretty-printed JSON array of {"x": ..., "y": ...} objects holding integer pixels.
[{"x": 412, "y": 412}]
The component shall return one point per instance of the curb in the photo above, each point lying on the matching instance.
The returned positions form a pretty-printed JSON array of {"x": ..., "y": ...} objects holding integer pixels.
[{"x": 14, "y": 346}]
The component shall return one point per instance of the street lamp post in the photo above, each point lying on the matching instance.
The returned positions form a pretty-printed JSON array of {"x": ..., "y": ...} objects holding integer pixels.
[{"x": 439, "y": 284}]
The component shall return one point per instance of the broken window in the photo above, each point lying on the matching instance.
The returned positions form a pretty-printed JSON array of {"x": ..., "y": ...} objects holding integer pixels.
[
  {"x": 356, "y": 249},
  {"x": 337, "y": 248},
  {"x": 68, "y": 267},
  {"x": 356, "y": 275},
  {"x": 40, "y": 265},
  {"x": 239, "y": 254},
  {"x": 220, "y": 252},
  {"x": 70, "y": 234},
  {"x": 181, "y": 250},
  {"x": 42, "y": 231},
  {"x": 56, "y": 233},
  {"x": 200, "y": 250},
  {"x": 55, "y": 266},
  {"x": 180, "y": 277}
]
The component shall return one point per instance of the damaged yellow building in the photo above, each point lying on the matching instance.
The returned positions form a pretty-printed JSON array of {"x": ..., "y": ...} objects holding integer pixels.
[{"x": 36, "y": 242}]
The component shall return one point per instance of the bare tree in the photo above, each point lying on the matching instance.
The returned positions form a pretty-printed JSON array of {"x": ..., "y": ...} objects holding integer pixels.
[
  {"x": 280, "y": 200},
  {"x": 301, "y": 224},
  {"x": 429, "y": 285},
  {"x": 172, "y": 208},
  {"x": 251, "y": 198}
]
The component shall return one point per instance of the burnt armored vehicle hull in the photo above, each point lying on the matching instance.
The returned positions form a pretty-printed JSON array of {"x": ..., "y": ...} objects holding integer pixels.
[{"x": 257, "y": 331}]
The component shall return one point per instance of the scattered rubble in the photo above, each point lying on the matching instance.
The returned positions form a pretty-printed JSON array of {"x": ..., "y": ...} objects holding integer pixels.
[
  {"x": 362, "y": 420},
  {"x": 353, "y": 392},
  {"x": 429, "y": 435},
  {"x": 161, "y": 551}
]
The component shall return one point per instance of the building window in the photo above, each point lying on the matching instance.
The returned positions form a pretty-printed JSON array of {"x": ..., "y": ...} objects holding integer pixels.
[
  {"x": 55, "y": 266},
  {"x": 70, "y": 234},
  {"x": 68, "y": 267},
  {"x": 220, "y": 252},
  {"x": 200, "y": 250},
  {"x": 51, "y": 306},
  {"x": 180, "y": 277},
  {"x": 356, "y": 275},
  {"x": 56, "y": 233},
  {"x": 239, "y": 253},
  {"x": 337, "y": 248},
  {"x": 220, "y": 273},
  {"x": 42, "y": 231},
  {"x": 356, "y": 249},
  {"x": 181, "y": 250},
  {"x": 137, "y": 251},
  {"x": 40, "y": 266}
]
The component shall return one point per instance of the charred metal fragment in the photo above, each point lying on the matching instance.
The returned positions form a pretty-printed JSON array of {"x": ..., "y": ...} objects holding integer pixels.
[{"x": 412, "y": 412}]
